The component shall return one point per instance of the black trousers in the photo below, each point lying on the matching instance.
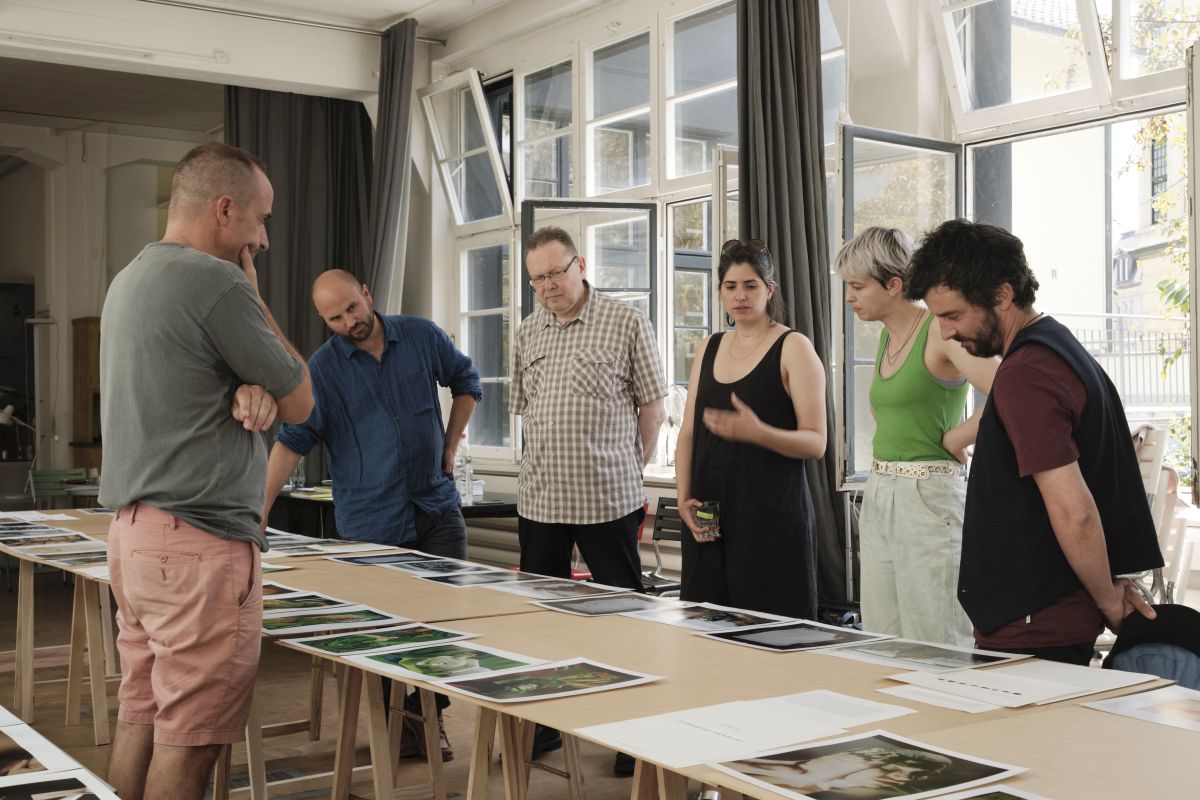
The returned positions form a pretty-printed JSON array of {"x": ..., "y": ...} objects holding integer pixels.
[{"x": 609, "y": 548}]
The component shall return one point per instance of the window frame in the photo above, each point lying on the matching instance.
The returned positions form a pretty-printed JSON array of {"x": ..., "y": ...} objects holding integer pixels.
[
  {"x": 591, "y": 122},
  {"x": 521, "y": 141},
  {"x": 1167, "y": 81},
  {"x": 463, "y": 245},
  {"x": 470, "y": 80}
]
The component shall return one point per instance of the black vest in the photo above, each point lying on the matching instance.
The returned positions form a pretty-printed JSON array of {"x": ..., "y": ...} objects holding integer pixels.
[{"x": 1011, "y": 562}]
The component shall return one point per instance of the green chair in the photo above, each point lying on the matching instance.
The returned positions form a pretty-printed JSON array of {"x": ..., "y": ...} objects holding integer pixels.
[{"x": 47, "y": 484}]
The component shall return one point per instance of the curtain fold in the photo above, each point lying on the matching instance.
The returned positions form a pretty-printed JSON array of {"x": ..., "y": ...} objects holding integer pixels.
[
  {"x": 384, "y": 267},
  {"x": 781, "y": 188},
  {"x": 317, "y": 152}
]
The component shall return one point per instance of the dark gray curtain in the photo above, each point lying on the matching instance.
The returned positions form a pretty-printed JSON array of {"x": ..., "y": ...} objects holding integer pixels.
[
  {"x": 781, "y": 185},
  {"x": 384, "y": 266},
  {"x": 317, "y": 152}
]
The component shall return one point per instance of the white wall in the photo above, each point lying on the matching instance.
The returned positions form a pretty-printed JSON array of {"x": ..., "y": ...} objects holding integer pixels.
[{"x": 22, "y": 226}]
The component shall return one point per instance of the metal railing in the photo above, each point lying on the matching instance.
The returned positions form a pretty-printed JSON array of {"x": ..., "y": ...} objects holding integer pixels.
[{"x": 1145, "y": 357}]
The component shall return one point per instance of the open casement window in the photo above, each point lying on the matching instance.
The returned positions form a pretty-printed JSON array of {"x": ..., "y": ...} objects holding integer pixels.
[
  {"x": 1193, "y": 165},
  {"x": 1149, "y": 44},
  {"x": 895, "y": 181},
  {"x": 1007, "y": 61},
  {"x": 468, "y": 157},
  {"x": 546, "y": 131},
  {"x": 618, "y": 242},
  {"x": 487, "y": 307}
]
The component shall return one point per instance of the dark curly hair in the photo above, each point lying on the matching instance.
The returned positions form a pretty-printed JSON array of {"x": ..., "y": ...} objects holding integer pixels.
[{"x": 974, "y": 259}]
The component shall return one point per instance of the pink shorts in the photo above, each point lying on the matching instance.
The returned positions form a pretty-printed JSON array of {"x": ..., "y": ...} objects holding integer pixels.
[{"x": 189, "y": 611}]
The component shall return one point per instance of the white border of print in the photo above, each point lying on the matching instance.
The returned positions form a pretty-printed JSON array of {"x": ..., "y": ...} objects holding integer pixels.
[
  {"x": 46, "y": 752},
  {"x": 986, "y": 790},
  {"x": 368, "y": 661},
  {"x": 1007, "y": 770},
  {"x": 723, "y": 636},
  {"x": 353, "y": 561},
  {"x": 303, "y": 644},
  {"x": 638, "y": 679},
  {"x": 1135, "y": 705},
  {"x": 648, "y": 616},
  {"x": 852, "y": 652},
  {"x": 497, "y": 576},
  {"x": 92, "y": 782},
  {"x": 389, "y": 620},
  {"x": 565, "y": 605},
  {"x": 9, "y": 718}
]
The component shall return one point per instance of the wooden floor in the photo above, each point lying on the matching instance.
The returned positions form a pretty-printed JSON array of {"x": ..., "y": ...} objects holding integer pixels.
[{"x": 284, "y": 697}]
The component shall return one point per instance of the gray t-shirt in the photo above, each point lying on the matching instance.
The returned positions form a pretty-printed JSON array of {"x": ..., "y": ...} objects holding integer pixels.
[{"x": 180, "y": 331}]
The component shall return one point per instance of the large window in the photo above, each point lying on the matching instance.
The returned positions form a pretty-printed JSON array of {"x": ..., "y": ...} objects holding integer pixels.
[
  {"x": 546, "y": 129},
  {"x": 619, "y": 134},
  {"x": 692, "y": 295},
  {"x": 702, "y": 107},
  {"x": 485, "y": 272}
]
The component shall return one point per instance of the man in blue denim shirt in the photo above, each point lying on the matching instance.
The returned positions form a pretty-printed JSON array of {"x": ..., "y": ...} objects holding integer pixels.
[{"x": 375, "y": 384}]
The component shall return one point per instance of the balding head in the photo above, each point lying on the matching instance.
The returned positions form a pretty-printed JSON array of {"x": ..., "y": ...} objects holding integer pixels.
[{"x": 344, "y": 304}]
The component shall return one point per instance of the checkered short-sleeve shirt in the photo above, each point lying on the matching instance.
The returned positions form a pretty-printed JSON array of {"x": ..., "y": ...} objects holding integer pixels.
[{"x": 577, "y": 388}]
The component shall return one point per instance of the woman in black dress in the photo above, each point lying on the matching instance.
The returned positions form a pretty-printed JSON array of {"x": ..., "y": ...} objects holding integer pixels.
[{"x": 755, "y": 411}]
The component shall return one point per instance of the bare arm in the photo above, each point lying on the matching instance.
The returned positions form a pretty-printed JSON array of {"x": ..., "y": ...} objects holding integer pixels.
[
  {"x": 979, "y": 372},
  {"x": 1077, "y": 527},
  {"x": 281, "y": 463},
  {"x": 805, "y": 385},
  {"x": 297, "y": 405},
  {"x": 460, "y": 414},
  {"x": 683, "y": 451},
  {"x": 651, "y": 416}
]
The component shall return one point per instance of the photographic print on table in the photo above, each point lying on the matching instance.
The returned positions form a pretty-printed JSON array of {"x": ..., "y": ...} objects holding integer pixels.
[
  {"x": 282, "y": 605},
  {"x": 558, "y": 679},
  {"x": 77, "y": 784},
  {"x": 438, "y": 662},
  {"x": 871, "y": 766},
  {"x": 267, "y": 567},
  {"x": 791, "y": 636},
  {"x": 272, "y": 589},
  {"x": 383, "y": 559},
  {"x": 82, "y": 560},
  {"x": 921, "y": 656},
  {"x": 444, "y": 566},
  {"x": 377, "y": 640},
  {"x": 707, "y": 617},
  {"x": 464, "y": 579},
  {"x": 44, "y": 539},
  {"x": 25, "y": 751},
  {"x": 325, "y": 620},
  {"x": 70, "y": 548},
  {"x": 993, "y": 793},
  {"x": 602, "y": 605},
  {"x": 559, "y": 588},
  {"x": 1176, "y": 706}
]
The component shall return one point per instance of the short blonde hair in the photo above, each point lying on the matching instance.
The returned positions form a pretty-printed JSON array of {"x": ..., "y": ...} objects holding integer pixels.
[{"x": 879, "y": 253}]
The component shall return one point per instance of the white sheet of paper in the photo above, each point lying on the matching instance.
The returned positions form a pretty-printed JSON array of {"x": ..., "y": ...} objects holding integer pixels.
[
  {"x": 683, "y": 738},
  {"x": 31, "y": 516},
  {"x": 995, "y": 686},
  {"x": 9, "y": 718},
  {"x": 99, "y": 572},
  {"x": 48, "y": 754},
  {"x": 939, "y": 699},
  {"x": 1176, "y": 706},
  {"x": 54, "y": 784},
  {"x": 1085, "y": 680},
  {"x": 843, "y": 709}
]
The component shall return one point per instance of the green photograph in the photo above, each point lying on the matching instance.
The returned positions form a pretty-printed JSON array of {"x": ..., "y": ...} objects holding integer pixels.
[
  {"x": 449, "y": 660},
  {"x": 301, "y": 602},
  {"x": 361, "y": 617},
  {"x": 368, "y": 641}
]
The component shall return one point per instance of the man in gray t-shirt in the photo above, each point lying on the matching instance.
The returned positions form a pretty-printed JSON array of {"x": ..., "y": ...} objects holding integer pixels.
[{"x": 192, "y": 369}]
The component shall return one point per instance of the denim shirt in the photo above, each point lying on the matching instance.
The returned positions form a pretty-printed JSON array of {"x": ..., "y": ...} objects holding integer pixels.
[{"x": 381, "y": 424}]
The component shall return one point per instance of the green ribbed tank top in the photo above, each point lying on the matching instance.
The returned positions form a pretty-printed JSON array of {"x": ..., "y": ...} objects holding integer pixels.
[{"x": 913, "y": 409}]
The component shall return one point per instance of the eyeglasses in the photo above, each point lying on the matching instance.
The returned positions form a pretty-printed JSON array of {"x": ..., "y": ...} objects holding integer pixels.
[
  {"x": 753, "y": 245},
  {"x": 538, "y": 280}
]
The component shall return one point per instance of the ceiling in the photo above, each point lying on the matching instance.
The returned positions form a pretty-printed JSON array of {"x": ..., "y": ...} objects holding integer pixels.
[
  {"x": 433, "y": 16},
  {"x": 78, "y": 95}
]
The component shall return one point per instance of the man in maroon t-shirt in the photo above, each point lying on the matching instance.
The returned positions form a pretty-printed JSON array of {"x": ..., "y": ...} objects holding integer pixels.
[{"x": 1038, "y": 400}]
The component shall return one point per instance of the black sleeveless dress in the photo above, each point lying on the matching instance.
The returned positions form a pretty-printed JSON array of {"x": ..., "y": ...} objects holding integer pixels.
[{"x": 766, "y": 558}]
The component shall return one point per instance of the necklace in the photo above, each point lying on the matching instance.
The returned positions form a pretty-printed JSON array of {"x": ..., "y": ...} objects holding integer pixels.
[
  {"x": 753, "y": 348},
  {"x": 887, "y": 350}
]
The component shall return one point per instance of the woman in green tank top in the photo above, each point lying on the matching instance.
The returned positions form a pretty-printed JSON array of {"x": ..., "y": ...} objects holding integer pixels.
[{"x": 910, "y": 526}]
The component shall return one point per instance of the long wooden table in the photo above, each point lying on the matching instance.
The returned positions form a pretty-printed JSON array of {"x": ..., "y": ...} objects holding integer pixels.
[{"x": 1072, "y": 752}]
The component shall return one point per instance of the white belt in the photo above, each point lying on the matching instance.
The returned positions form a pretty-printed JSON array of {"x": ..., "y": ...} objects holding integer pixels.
[{"x": 914, "y": 469}]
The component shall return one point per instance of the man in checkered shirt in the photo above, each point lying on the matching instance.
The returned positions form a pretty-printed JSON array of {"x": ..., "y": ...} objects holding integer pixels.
[{"x": 589, "y": 386}]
